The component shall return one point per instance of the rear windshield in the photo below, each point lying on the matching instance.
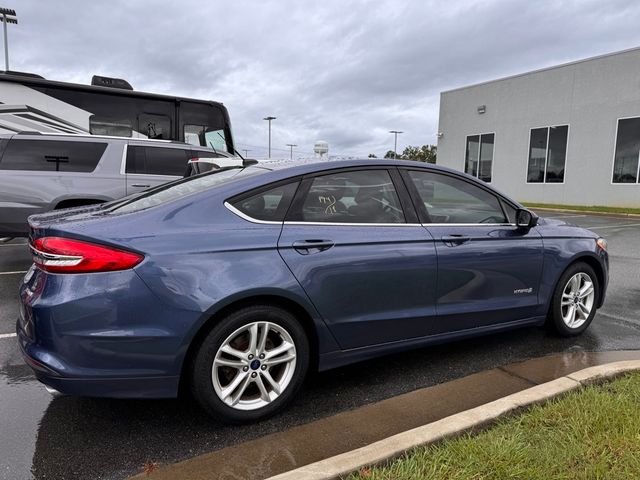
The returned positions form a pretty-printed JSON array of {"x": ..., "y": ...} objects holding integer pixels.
[{"x": 181, "y": 188}]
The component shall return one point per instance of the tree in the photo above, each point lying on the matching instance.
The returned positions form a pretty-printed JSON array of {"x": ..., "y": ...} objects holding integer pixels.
[
  {"x": 371, "y": 155},
  {"x": 391, "y": 154},
  {"x": 425, "y": 153}
]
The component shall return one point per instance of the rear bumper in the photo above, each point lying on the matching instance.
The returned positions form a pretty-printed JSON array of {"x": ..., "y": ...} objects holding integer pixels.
[
  {"x": 44, "y": 364},
  {"x": 101, "y": 335}
]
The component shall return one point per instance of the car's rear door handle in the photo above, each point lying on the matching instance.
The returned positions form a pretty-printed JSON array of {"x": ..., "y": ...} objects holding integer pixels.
[
  {"x": 455, "y": 240},
  {"x": 140, "y": 185},
  {"x": 305, "y": 247}
]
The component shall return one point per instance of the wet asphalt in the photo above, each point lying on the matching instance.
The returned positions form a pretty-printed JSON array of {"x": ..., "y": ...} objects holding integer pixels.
[{"x": 72, "y": 438}]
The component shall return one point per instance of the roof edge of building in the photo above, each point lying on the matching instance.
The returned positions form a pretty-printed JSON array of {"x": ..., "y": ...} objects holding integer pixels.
[{"x": 544, "y": 69}]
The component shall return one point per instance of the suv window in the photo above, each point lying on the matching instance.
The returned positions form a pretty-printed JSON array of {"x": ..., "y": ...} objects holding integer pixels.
[
  {"x": 450, "y": 200},
  {"x": 157, "y": 160},
  {"x": 270, "y": 205},
  {"x": 52, "y": 155},
  {"x": 363, "y": 196}
]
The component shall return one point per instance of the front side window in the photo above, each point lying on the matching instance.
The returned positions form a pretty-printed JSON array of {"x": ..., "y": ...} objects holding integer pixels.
[
  {"x": 52, "y": 155},
  {"x": 451, "y": 200},
  {"x": 479, "y": 156},
  {"x": 626, "y": 161},
  {"x": 270, "y": 205},
  {"x": 363, "y": 196},
  {"x": 547, "y": 154}
]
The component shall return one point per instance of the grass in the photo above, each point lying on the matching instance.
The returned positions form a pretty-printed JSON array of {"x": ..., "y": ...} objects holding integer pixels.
[
  {"x": 583, "y": 208},
  {"x": 592, "y": 433}
]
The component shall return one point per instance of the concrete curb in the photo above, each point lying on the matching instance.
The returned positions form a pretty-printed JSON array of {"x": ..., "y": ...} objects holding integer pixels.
[
  {"x": 587, "y": 212},
  {"x": 396, "y": 445}
]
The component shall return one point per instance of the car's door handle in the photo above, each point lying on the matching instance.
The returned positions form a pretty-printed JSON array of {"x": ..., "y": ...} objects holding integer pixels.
[
  {"x": 455, "y": 240},
  {"x": 140, "y": 185},
  {"x": 305, "y": 247}
]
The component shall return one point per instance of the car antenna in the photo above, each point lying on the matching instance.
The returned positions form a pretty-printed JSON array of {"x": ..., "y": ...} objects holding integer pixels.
[{"x": 245, "y": 162}]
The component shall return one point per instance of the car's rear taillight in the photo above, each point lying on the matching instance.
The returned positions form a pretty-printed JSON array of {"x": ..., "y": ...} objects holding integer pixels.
[{"x": 63, "y": 255}]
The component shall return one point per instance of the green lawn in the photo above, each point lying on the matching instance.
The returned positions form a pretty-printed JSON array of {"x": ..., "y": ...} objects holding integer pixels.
[
  {"x": 592, "y": 433},
  {"x": 582, "y": 208}
]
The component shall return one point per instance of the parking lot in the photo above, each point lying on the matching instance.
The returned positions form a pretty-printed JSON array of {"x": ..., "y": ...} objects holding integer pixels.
[{"x": 68, "y": 437}]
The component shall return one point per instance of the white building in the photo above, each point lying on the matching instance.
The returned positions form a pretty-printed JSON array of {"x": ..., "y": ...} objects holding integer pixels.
[{"x": 568, "y": 134}]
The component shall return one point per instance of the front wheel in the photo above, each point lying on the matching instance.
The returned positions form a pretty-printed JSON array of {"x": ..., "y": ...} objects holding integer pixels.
[
  {"x": 574, "y": 301},
  {"x": 251, "y": 364}
]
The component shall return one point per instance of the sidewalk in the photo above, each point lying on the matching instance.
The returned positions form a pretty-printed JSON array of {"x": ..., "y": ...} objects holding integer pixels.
[{"x": 284, "y": 451}]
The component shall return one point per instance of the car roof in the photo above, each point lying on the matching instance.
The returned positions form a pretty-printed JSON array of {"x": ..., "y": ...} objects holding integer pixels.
[
  {"x": 282, "y": 169},
  {"x": 89, "y": 137}
]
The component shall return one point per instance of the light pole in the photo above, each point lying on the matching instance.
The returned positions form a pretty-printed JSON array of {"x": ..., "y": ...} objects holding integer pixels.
[
  {"x": 268, "y": 119},
  {"x": 291, "y": 145},
  {"x": 246, "y": 152},
  {"x": 395, "y": 142},
  {"x": 8, "y": 16}
]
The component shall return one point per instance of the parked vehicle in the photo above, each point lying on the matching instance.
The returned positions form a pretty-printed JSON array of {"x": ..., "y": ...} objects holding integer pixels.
[
  {"x": 109, "y": 106},
  {"x": 198, "y": 165},
  {"x": 42, "y": 172},
  {"x": 239, "y": 281}
]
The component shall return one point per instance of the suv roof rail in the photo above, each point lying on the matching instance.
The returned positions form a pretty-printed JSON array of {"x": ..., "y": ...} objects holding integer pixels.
[{"x": 29, "y": 132}]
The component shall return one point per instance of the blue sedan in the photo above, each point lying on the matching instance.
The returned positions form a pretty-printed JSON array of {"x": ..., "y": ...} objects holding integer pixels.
[{"x": 235, "y": 283}]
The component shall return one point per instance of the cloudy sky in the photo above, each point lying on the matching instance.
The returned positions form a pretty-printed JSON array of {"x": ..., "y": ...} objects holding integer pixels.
[{"x": 345, "y": 72}]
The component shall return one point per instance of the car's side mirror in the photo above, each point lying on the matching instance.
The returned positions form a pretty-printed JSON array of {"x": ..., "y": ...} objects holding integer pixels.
[{"x": 526, "y": 218}]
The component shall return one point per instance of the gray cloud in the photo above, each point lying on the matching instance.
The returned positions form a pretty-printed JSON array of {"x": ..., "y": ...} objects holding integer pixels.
[{"x": 345, "y": 72}]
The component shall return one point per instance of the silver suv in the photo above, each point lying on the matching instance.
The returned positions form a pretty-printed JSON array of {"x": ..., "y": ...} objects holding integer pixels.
[{"x": 42, "y": 172}]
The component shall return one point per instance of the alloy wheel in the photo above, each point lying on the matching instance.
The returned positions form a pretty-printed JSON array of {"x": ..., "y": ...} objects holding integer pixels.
[
  {"x": 254, "y": 365},
  {"x": 578, "y": 297}
]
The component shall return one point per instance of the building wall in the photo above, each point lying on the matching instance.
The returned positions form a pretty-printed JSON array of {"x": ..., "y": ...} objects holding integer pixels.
[{"x": 589, "y": 96}]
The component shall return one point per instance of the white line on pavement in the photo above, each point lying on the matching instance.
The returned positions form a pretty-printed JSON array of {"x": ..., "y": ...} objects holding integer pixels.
[
  {"x": 12, "y": 244},
  {"x": 14, "y": 273},
  {"x": 8, "y": 335},
  {"x": 567, "y": 216},
  {"x": 617, "y": 225}
]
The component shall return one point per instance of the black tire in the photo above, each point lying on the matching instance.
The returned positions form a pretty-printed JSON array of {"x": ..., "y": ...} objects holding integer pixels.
[
  {"x": 202, "y": 384},
  {"x": 555, "y": 318}
]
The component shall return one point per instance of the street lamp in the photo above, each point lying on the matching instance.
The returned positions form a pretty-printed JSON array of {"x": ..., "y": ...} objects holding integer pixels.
[
  {"x": 268, "y": 119},
  {"x": 395, "y": 142},
  {"x": 8, "y": 16},
  {"x": 291, "y": 145}
]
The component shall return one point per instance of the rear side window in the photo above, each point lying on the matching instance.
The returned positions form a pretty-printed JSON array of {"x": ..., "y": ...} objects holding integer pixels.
[
  {"x": 52, "y": 155},
  {"x": 157, "y": 160},
  {"x": 270, "y": 205}
]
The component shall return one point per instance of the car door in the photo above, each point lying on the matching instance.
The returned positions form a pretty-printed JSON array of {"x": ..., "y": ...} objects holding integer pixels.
[
  {"x": 488, "y": 270},
  {"x": 353, "y": 241},
  {"x": 149, "y": 166}
]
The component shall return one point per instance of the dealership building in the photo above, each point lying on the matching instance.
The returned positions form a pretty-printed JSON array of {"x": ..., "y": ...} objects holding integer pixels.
[{"x": 568, "y": 134}]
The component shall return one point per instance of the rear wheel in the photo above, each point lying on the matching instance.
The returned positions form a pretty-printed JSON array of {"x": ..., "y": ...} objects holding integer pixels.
[
  {"x": 251, "y": 364},
  {"x": 574, "y": 301}
]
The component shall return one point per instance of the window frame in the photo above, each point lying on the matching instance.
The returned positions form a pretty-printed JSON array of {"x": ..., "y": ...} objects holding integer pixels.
[
  {"x": 613, "y": 159},
  {"x": 228, "y": 203},
  {"x": 546, "y": 157},
  {"x": 493, "y": 156},
  {"x": 419, "y": 205},
  {"x": 293, "y": 216}
]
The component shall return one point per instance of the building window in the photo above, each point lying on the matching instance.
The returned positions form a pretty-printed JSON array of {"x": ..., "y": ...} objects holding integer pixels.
[
  {"x": 479, "y": 156},
  {"x": 547, "y": 154},
  {"x": 626, "y": 164}
]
